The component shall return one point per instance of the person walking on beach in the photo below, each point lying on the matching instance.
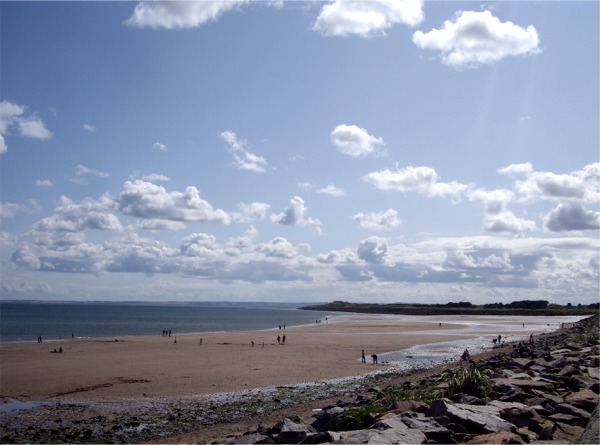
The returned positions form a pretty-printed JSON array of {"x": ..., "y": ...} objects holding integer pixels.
[
  {"x": 283, "y": 340},
  {"x": 279, "y": 339},
  {"x": 362, "y": 355}
]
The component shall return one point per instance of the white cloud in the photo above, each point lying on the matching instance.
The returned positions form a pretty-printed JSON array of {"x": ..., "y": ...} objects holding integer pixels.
[
  {"x": 581, "y": 185},
  {"x": 156, "y": 177},
  {"x": 82, "y": 170},
  {"x": 12, "y": 117},
  {"x": 255, "y": 211},
  {"x": 10, "y": 209},
  {"x": 507, "y": 221},
  {"x": 243, "y": 158},
  {"x": 422, "y": 180},
  {"x": 180, "y": 14},
  {"x": 366, "y": 18},
  {"x": 294, "y": 215},
  {"x": 373, "y": 250},
  {"x": 44, "y": 183},
  {"x": 572, "y": 216},
  {"x": 160, "y": 147},
  {"x": 516, "y": 169},
  {"x": 476, "y": 38},
  {"x": 147, "y": 200},
  {"x": 70, "y": 219},
  {"x": 355, "y": 141},
  {"x": 494, "y": 201},
  {"x": 387, "y": 220},
  {"x": 331, "y": 190},
  {"x": 89, "y": 127}
]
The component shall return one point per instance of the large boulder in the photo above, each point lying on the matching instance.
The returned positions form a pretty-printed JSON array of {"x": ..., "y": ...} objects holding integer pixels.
[{"x": 476, "y": 419}]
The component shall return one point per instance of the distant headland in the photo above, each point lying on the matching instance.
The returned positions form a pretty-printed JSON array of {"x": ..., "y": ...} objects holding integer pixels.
[{"x": 524, "y": 307}]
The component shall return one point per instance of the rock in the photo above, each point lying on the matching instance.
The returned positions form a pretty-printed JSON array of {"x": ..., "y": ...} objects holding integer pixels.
[
  {"x": 292, "y": 432},
  {"x": 591, "y": 433},
  {"x": 478, "y": 419},
  {"x": 525, "y": 385},
  {"x": 567, "y": 433},
  {"x": 568, "y": 419},
  {"x": 565, "y": 408},
  {"x": 326, "y": 420},
  {"x": 497, "y": 438},
  {"x": 252, "y": 438},
  {"x": 374, "y": 436},
  {"x": 522, "y": 417},
  {"x": 585, "y": 399}
]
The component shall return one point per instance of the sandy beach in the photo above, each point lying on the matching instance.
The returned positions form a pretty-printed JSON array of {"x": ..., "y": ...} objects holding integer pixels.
[{"x": 170, "y": 367}]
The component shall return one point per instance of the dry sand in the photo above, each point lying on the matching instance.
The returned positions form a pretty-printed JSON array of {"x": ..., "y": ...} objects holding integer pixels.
[{"x": 156, "y": 367}]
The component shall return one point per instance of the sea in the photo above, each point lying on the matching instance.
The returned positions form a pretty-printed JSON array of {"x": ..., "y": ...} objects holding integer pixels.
[{"x": 25, "y": 321}]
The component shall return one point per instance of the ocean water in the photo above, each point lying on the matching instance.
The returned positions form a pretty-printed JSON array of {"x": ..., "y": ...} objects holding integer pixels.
[{"x": 54, "y": 321}]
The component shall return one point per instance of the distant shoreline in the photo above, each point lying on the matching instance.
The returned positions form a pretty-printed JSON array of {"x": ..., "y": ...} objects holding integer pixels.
[{"x": 525, "y": 308}]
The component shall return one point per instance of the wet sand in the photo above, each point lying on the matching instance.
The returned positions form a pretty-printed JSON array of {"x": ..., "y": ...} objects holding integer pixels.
[{"x": 160, "y": 367}]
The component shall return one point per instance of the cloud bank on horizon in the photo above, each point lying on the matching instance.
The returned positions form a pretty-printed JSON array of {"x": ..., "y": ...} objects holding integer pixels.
[{"x": 377, "y": 150}]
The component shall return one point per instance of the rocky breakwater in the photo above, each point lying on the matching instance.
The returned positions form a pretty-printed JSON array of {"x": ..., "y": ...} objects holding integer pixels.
[{"x": 544, "y": 391}]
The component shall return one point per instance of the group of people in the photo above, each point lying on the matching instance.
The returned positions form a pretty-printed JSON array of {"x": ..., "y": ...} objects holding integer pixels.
[
  {"x": 166, "y": 333},
  {"x": 281, "y": 340},
  {"x": 364, "y": 358}
]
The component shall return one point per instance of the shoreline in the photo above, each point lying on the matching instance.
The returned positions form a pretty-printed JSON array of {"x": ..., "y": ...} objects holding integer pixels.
[{"x": 224, "y": 379}]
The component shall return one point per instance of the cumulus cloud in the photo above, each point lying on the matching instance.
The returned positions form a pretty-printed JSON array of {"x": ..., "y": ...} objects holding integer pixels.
[
  {"x": 330, "y": 190},
  {"x": 156, "y": 177},
  {"x": 476, "y": 38},
  {"x": 366, "y": 18},
  {"x": 355, "y": 141},
  {"x": 89, "y": 127},
  {"x": 295, "y": 214},
  {"x": 572, "y": 216},
  {"x": 147, "y": 200},
  {"x": 507, "y": 221},
  {"x": 373, "y": 250},
  {"x": 423, "y": 180},
  {"x": 179, "y": 14},
  {"x": 10, "y": 209},
  {"x": 13, "y": 118},
  {"x": 44, "y": 183},
  {"x": 89, "y": 214},
  {"x": 387, "y": 220},
  {"x": 159, "y": 146},
  {"x": 494, "y": 201},
  {"x": 82, "y": 170},
  {"x": 255, "y": 211},
  {"x": 581, "y": 185},
  {"x": 243, "y": 158}
]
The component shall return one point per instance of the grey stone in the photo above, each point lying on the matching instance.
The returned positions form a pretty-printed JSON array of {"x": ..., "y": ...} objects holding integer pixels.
[
  {"x": 565, "y": 408},
  {"x": 568, "y": 419},
  {"x": 591, "y": 433},
  {"x": 477, "y": 419},
  {"x": 525, "y": 384},
  {"x": 292, "y": 432},
  {"x": 567, "y": 433}
]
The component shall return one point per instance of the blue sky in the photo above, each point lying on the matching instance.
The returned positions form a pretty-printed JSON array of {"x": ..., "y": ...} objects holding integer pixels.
[{"x": 382, "y": 151}]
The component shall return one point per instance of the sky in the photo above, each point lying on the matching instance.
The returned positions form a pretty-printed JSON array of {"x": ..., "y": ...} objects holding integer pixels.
[{"x": 300, "y": 151}]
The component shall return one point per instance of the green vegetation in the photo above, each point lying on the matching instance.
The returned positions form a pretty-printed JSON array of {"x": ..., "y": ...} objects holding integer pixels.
[{"x": 524, "y": 307}]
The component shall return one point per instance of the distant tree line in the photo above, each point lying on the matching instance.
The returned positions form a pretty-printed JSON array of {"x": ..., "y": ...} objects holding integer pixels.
[{"x": 523, "y": 307}]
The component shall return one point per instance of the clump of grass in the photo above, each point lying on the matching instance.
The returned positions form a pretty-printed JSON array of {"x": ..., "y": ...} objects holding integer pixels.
[
  {"x": 467, "y": 380},
  {"x": 588, "y": 337},
  {"x": 359, "y": 418}
]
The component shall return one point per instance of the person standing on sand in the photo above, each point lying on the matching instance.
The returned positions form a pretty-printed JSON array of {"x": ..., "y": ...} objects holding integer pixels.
[
  {"x": 374, "y": 357},
  {"x": 362, "y": 354},
  {"x": 283, "y": 340},
  {"x": 278, "y": 339}
]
